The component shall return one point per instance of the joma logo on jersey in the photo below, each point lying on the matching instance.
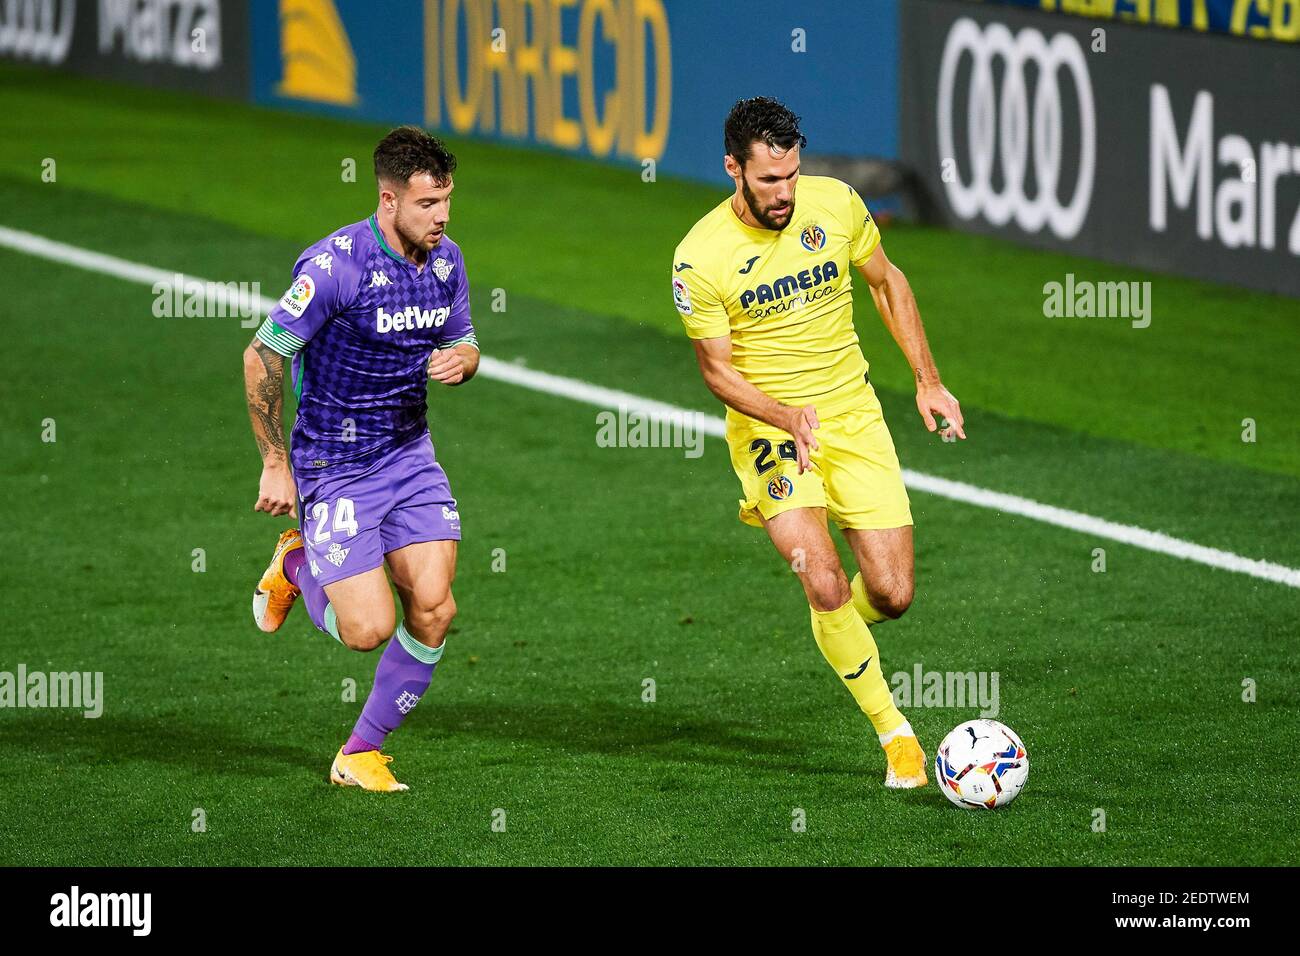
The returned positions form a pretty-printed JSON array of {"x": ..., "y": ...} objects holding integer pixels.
[
  {"x": 788, "y": 285},
  {"x": 410, "y": 318}
]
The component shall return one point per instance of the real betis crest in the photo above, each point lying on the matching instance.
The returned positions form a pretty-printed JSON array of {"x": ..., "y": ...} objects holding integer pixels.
[{"x": 442, "y": 268}]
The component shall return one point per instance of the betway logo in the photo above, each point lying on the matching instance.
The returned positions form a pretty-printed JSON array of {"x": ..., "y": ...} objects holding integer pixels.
[
  {"x": 410, "y": 318},
  {"x": 1243, "y": 209}
]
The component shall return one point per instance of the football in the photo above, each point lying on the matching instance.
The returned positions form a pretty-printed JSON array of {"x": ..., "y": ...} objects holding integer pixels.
[{"x": 981, "y": 763}]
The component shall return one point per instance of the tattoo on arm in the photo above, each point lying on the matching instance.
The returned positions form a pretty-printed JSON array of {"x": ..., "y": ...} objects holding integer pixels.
[{"x": 265, "y": 394}]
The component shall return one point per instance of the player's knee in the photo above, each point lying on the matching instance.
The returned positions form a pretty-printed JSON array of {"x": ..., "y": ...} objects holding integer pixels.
[
  {"x": 434, "y": 614},
  {"x": 827, "y": 588},
  {"x": 444, "y": 612},
  {"x": 365, "y": 635},
  {"x": 894, "y": 601}
]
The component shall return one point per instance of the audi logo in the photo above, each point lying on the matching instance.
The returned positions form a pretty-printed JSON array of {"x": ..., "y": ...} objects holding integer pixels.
[
  {"x": 999, "y": 124},
  {"x": 38, "y": 30}
]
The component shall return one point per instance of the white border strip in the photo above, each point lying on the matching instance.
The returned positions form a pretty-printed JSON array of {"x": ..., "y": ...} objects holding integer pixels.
[{"x": 585, "y": 392}]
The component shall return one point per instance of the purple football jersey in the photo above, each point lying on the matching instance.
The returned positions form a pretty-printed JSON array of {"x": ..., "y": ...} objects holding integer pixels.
[{"x": 360, "y": 323}]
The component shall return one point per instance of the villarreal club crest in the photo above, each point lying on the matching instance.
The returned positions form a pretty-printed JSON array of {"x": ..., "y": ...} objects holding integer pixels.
[
  {"x": 780, "y": 488},
  {"x": 813, "y": 237}
]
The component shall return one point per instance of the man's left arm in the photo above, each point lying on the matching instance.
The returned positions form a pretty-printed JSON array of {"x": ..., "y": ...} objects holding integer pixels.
[
  {"x": 897, "y": 306},
  {"x": 455, "y": 365},
  {"x": 456, "y": 359}
]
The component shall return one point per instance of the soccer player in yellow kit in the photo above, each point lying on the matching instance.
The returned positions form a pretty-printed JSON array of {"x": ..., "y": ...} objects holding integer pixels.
[{"x": 763, "y": 284}]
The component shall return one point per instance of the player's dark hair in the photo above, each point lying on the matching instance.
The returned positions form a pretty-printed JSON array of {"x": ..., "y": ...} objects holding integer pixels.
[
  {"x": 762, "y": 119},
  {"x": 409, "y": 150}
]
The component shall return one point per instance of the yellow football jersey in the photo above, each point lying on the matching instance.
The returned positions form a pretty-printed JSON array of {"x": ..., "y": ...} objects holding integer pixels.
[{"x": 785, "y": 297}]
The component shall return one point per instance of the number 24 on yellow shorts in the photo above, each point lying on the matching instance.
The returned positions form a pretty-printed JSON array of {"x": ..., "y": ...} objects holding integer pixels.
[{"x": 855, "y": 473}]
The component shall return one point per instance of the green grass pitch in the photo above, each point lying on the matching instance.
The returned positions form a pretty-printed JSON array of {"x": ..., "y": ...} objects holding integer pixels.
[{"x": 621, "y": 564}]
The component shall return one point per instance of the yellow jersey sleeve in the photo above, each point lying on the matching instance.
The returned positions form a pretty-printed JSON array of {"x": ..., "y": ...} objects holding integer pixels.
[
  {"x": 698, "y": 302},
  {"x": 863, "y": 232}
]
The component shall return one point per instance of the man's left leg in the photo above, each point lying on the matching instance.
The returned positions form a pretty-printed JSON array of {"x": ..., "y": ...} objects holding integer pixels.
[
  {"x": 865, "y": 490},
  {"x": 866, "y": 497},
  {"x": 886, "y": 580},
  {"x": 422, "y": 573}
]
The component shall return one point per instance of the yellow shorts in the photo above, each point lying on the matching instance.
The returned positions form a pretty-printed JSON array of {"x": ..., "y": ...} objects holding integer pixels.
[{"x": 855, "y": 473}]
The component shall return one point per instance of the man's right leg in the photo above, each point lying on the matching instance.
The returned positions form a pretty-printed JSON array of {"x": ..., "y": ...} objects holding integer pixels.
[
  {"x": 356, "y": 611},
  {"x": 366, "y": 619},
  {"x": 801, "y": 537}
]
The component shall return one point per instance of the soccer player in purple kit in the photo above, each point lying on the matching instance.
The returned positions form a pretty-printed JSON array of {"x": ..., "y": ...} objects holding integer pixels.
[{"x": 375, "y": 310}]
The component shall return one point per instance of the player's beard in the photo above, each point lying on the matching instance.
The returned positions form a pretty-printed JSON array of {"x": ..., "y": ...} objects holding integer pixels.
[
  {"x": 416, "y": 240},
  {"x": 763, "y": 218}
]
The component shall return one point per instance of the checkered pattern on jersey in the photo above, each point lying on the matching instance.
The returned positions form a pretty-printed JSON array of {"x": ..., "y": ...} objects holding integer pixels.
[{"x": 363, "y": 375}]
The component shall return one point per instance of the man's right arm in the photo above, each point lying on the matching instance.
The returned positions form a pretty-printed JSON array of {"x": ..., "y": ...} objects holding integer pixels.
[
  {"x": 323, "y": 283},
  {"x": 722, "y": 379},
  {"x": 264, "y": 389}
]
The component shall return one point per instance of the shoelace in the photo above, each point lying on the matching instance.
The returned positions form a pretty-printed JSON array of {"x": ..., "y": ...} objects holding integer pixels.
[
  {"x": 901, "y": 754},
  {"x": 383, "y": 760}
]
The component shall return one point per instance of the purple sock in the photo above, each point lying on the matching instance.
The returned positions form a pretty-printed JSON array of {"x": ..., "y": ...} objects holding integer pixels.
[
  {"x": 313, "y": 595},
  {"x": 402, "y": 677},
  {"x": 293, "y": 562},
  {"x": 355, "y": 745}
]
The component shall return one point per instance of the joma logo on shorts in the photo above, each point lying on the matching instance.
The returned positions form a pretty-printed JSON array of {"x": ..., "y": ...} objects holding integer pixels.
[
  {"x": 412, "y": 317},
  {"x": 788, "y": 285}
]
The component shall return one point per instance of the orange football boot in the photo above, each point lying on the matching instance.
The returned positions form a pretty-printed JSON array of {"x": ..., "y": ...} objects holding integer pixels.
[
  {"x": 367, "y": 769},
  {"x": 906, "y": 764},
  {"x": 274, "y": 596}
]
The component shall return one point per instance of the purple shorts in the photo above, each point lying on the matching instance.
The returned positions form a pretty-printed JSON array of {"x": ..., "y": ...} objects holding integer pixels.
[{"x": 352, "y": 519}]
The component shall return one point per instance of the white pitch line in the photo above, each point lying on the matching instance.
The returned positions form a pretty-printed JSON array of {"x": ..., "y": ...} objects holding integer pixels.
[{"x": 602, "y": 397}]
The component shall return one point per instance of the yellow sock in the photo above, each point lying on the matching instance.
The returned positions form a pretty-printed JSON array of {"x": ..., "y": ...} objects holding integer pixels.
[
  {"x": 847, "y": 645},
  {"x": 861, "y": 602}
]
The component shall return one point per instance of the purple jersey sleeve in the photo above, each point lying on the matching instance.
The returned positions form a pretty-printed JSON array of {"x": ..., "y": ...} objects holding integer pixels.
[
  {"x": 459, "y": 329},
  {"x": 323, "y": 285}
]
